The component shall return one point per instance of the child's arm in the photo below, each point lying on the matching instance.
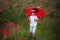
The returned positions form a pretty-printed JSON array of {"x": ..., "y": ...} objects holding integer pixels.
[
  {"x": 36, "y": 18},
  {"x": 29, "y": 19}
]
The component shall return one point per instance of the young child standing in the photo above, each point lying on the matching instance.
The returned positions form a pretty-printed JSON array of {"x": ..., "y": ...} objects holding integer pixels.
[{"x": 33, "y": 23}]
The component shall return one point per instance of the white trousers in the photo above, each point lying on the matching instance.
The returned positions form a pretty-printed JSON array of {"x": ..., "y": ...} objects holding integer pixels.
[{"x": 33, "y": 28}]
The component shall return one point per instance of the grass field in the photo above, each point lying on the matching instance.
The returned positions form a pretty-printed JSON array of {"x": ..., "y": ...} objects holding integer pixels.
[{"x": 14, "y": 22}]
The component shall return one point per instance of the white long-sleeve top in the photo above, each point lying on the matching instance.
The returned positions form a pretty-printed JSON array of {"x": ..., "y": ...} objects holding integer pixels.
[{"x": 33, "y": 20}]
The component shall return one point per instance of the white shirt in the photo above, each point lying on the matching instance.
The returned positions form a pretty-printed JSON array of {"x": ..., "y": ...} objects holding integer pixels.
[{"x": 33, "y": 21}]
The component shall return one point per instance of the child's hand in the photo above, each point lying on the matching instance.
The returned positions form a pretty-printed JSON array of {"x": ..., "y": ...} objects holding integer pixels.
[{"x": 35, "y": 19}]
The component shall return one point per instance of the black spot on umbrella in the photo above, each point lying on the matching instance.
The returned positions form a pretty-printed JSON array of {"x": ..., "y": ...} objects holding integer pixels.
[{"x": 36, "y": 10}]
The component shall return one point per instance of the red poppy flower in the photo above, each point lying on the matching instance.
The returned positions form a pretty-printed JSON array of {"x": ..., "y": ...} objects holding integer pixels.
[
  {"x": 58, "y": 15},
  {"x": 22, "y": 9},
  {"x": 47, "y": 9},
  {"x": 24, "y": 38},
  {"x": 52, "y": 20},
  {"x": 48, "y": 16},
  {"x": 46, "y": 0},
  {"x": 14, "y": 0},
  {"x": 10, "y": 24},
  {"x": 17, "y": 30},
  {"x": 4, "y": 30},
  {"x": 19, "y": 38},
  {"x": 25, "y": 4},
  {"x": 0, "y": 10},
  {"x": 47, "y": 13},
  {"x": 28, "y": 20},
  {"x": 8, "y": 35},
  {"x": 41, "y": 4},
  {"x": 8, "y": 0}
]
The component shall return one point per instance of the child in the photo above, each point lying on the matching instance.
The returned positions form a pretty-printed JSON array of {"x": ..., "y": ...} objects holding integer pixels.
[{"x": 33, "y": 23}]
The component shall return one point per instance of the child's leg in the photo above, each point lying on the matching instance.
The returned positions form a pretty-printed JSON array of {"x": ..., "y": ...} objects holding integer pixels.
[
  {"x": 33, "y": 34},
  {"x": 31, "y": 29}
]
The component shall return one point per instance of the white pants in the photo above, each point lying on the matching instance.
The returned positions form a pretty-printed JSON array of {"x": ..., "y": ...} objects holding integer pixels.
[{"x": 33, "y": 28}]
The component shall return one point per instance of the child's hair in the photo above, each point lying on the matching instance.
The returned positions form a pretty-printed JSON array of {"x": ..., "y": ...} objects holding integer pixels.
[
  {"x": 36, "y": 10},
  {"x": 33, "y": 11}
]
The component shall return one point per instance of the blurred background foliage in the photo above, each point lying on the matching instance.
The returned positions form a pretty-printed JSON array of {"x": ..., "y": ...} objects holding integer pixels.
[{"x": 14, "y": 24}]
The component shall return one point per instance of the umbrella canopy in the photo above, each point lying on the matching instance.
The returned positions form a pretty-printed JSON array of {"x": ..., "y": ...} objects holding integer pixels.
[{"x": 38, "y": 12}]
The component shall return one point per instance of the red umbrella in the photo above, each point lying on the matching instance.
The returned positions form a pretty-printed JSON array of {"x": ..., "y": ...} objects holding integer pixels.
[
  {"x": 38, "y": 12},
  {"x": 28, "y": 12}
]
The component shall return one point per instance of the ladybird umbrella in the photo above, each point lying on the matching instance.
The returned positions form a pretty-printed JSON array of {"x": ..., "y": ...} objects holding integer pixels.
[
  {"x": 28, "y": 12},
  {"x": 39, "y": 12}
]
